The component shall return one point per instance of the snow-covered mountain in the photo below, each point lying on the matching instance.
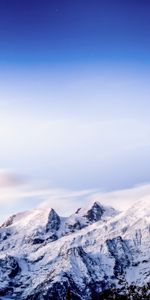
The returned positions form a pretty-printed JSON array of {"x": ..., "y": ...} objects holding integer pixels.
[{"x": 96, "y": 253}]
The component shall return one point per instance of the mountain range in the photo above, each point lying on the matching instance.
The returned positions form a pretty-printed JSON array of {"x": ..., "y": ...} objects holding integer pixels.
[{"x": 96, "y": 253}]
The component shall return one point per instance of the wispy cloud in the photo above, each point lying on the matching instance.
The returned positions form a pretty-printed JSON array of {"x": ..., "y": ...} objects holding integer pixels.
[
  {"x": 123, "y": 199},
  {"x": 17, "y": 194},
  {"x": 8, "y": 179}
]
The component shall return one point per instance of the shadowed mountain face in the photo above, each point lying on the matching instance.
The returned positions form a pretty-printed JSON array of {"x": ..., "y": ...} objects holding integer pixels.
[
  {"x": 96, "y": 253},
  {"x": 53, "y": 222},
  {"x": 95, "y": 213}
]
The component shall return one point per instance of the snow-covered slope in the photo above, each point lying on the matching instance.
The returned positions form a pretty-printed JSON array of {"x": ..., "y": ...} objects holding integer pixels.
[{"x": 95, "y": 253}]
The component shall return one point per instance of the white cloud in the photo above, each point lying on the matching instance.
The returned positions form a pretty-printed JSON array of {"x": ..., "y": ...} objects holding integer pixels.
[
  {"x": 123, "y": 199},
  {"x": 9, "y": 179},
  {"x": 17, "y": 195}
]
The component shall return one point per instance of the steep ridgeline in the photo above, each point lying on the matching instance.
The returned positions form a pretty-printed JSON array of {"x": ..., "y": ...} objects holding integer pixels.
[{"x": 96, "y": 253}]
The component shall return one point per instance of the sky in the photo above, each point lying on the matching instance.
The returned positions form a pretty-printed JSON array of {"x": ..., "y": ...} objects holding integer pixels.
[{"x": 74, "y": 99}]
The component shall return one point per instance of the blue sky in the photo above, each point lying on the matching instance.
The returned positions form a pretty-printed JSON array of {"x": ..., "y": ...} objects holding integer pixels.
[
  {"x": 74, "y": 94},
  {"x": 57, "y": 32}
]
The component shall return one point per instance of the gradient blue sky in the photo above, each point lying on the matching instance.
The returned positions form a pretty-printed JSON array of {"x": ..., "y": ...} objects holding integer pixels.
[
  {"x": 60, "y": 32},
  {"x": 75, "y": 92}
]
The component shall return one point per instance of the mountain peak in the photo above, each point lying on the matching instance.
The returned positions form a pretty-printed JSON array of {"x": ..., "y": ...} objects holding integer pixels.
[
  {"x": 95, "y": 212},
  {"x": 53, "y": 222}
]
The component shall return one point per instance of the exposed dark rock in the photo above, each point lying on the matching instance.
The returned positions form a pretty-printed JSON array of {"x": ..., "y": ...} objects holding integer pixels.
[
  {"x": 10, "y": 265},
  {"x": 95, "y": 213},
  {"x": 53, "y": 223},
  {"x": 118, "y": 249},
  {"x": 37, "y": 241}
]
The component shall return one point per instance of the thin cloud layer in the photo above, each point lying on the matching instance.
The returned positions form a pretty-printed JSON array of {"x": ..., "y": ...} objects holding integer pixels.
[
  {"x": 17, "y": 195},
  {"x": 123, "y": 199},
  {"x": 9, "y": 179}
]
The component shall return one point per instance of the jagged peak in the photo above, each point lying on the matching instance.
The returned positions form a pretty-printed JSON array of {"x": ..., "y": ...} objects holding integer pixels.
[
  {"x": 95, "y": 212},
  {"x": 89, "y": 206},
  {"x": 54, "y": 221},
  {"x": 96, "y": 207},
  {"x": 89, "y": 214},
  {"x": 52, "y": 212}
]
